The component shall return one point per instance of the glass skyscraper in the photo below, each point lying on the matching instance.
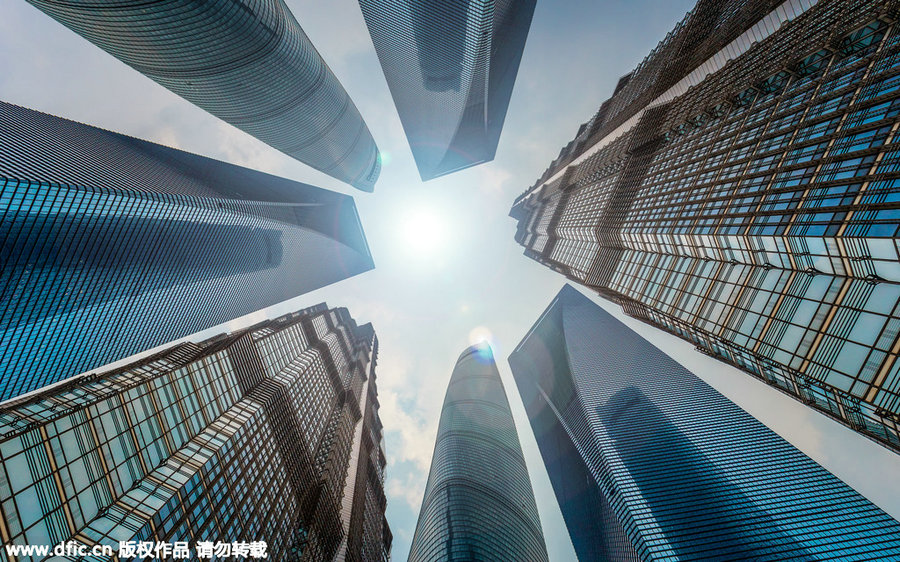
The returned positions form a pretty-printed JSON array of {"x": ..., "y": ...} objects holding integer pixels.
[
  {"x": 478, "y": 502},
  {"x": 270, "y": 433},
  {"x": 112, "y": 245},
  {"x": 741, "y": 189},
  {"x": 648, "y": 462},
  {"x": 248, "y": 63},
  {"x": 451, "y": 66}
]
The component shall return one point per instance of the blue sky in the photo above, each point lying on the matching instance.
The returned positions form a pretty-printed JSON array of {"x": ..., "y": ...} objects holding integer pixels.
[{"x": 431, "y": 296}]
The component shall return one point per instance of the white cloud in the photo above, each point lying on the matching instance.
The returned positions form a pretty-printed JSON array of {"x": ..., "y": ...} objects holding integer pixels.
[
  {"x": 415, "y": 434},
  {"x": 168, "y": 136},
  {"x": 240, "y": 148},
  {"x": 410, "y": 489},
  {"x": 492, "y": 180}
]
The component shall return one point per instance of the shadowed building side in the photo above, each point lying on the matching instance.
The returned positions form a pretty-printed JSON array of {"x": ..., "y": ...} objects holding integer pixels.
[
  {"x": 478, "y": 504},
  {"x": 112, "y": 245},
  {"x": 557, "y": 416},
  {"x": 367, "y": 536},
  {"x": 247, "y": 62},
  {"x": 639, "y": 429},
  {"x": 668, "y": 467},
  {"x": 451, "y": 67}
]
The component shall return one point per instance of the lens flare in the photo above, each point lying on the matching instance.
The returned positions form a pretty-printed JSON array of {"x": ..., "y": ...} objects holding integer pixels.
[
  {"x": 480, "y": 335},
  {"x": 481, "y": 339}
]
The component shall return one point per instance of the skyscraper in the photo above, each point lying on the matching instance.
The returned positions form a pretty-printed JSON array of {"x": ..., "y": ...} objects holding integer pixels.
[
  {"x": 451, "y": 66},
  {"x": 478, "y": 502},
  {"x": 256, "y": 435},
  {"x": 248, "y": 63},
  {"x": 112, "y": 245},
  {"x": 648, "y": 462},
  {"x": 740, "y": 189}
]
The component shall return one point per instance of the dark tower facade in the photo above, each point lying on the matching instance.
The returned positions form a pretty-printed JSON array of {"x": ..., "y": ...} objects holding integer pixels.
[
  {"x": 367, "y": 536},
  {"x": 478, "y": 502},
  {"x": 247, "y": 62},
  {"x": 112, "y": 245},
  {"x": 648, "y": 462},
  {"x": 256, "y": 435},
  {"x": 451, "y": 67},
  {"x": 740, "y": 190}
]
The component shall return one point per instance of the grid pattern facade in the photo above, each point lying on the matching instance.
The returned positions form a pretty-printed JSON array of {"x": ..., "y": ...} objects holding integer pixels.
[
  {"x": 246, "y": 436},
  {"x": 478, "y": 502},
  {"x": 247, "y": 62},
  {"x": 367, "y": 536},
  {"x": 674, "y": 470},
  {"x": 451, "y": 67},
  {"x": 754, "y": 211},
  {"x": 112, "y": 245}
]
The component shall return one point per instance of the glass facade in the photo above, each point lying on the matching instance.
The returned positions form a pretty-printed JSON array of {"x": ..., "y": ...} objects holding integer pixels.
[
  {"x": 749, "y": 203},
  {"x": 252, "y": 435},
  {"x": 648, "y": 462},
  {"x": 478, "y": 502},
  {"x": 451, "y": 66},
  {"x": 247, "y": 62},
  {"x": 112, "y": 245}
]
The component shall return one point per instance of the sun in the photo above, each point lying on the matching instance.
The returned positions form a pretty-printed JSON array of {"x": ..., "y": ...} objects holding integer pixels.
[{"x": 423, "y": 232}]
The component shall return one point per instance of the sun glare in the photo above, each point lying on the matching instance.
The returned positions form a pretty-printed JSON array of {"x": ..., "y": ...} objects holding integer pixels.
[
  {"x": 483, "y": 339},
  {"x": 423, "y": 232},
  {"x": 480, "y": 335}
]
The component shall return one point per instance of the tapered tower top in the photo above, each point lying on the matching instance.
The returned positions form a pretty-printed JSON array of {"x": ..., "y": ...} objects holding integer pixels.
[{"x": 478, "y": 503}]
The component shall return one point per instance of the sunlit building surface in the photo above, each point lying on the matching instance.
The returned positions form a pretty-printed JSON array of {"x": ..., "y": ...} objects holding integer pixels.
[
  {"x": 478, "y": 502},
  {"x": 450, "y": 66},
  {"x": 247, "y": 62},
  {"x": 112, "y": 245},
  {"x": 741, "y": 189},
  {"x": 270, "y": 433},
  {"x": 648, "y": 462}
]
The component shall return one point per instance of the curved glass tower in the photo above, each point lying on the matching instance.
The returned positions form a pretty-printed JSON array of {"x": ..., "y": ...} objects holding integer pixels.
[
  {"x": 247, "y": 62},
  {"x": 112, "y": 245},
  {"x": 478, "y": 503},
  {"x": 451, "y": 67},
  {"x": 648, "y": 462}
]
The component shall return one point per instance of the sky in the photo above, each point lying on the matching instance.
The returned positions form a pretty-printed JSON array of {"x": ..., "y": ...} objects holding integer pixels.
[{"x": 447, "y": 270}]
